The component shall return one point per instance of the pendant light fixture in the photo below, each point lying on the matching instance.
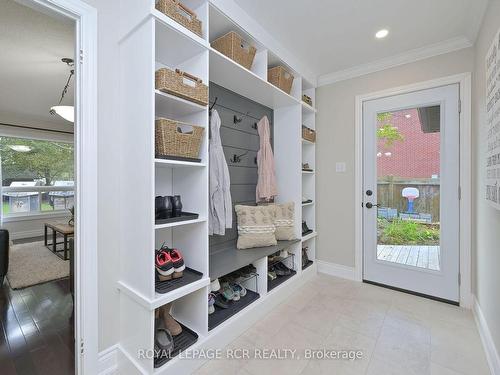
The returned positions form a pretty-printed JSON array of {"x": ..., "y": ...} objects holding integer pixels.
[{"x": 67, "y": 112}]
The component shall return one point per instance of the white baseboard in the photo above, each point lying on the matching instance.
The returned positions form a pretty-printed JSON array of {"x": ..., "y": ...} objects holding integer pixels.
[
  {"x": 488, "y": 344},
  {"x": 108, "y": 361},
  {"x": 337, "y": 270}
]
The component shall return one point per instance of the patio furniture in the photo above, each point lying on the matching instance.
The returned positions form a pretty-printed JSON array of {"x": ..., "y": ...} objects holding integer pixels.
[{"x": 65, "y": 230}]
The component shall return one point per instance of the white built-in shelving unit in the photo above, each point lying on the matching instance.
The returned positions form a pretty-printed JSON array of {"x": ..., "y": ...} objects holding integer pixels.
[{"x": 151, "y": 40}]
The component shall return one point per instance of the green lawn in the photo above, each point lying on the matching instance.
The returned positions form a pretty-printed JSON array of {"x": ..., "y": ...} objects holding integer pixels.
[
  {"x": 45, "y": 207},
  {"x": 407, "y": 232}
]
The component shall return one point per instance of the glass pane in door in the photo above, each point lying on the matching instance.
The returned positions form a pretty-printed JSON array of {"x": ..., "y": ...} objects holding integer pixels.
[{"x": 408, "y": 187}]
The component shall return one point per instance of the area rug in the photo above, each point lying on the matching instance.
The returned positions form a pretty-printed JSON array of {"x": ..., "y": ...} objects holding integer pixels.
[{"x": 32, "y": 263}]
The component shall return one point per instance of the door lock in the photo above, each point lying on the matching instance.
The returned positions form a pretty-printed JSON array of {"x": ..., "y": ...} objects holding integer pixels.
[{"x": 370, "y": 205}]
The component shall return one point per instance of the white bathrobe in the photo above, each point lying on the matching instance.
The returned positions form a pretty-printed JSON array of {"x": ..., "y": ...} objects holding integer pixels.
[{"x": 220, "y": 208}]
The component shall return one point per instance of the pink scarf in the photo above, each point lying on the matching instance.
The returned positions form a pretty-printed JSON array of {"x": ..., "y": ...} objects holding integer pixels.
[{"x": 266, "y": 184}]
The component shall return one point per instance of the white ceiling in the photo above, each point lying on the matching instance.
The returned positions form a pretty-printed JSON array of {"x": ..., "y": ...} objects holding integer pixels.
[
  {"x": 32, "y": 75},
  {"x": 338, "y": 35}
]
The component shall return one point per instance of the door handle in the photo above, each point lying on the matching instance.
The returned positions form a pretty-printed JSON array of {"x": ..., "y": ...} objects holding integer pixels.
[{"x": 370, "y": 205}]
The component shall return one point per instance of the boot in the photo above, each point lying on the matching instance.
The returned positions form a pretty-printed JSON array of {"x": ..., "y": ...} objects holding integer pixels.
[
  {"x": 176, "y": 205},
  {"x": 163, "y": 207},
  {"x": 170, "y": 323}
]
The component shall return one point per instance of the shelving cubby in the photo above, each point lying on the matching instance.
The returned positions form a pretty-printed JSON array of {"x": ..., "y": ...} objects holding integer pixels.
[
  {"x": 308, "y": 179},
  {"x": 151, "y": 40}
]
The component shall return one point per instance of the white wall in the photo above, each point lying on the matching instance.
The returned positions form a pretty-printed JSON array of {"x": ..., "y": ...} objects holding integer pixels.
[
  {"x": 335, "y": 127},
  {"x": 486, "y": 234}
]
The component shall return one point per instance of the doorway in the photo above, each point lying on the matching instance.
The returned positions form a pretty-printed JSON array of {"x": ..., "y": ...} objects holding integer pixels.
[{"x": 411, "y": 179}]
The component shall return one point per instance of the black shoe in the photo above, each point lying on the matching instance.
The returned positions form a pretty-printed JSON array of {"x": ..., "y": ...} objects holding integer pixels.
[
  {"x": 163, "y": 207},
  {"x": 176, "y": 205},
  {"x": 305, "y": 229},
  {"x": 282, "y": 270},
  {"x": 305, "y": 257}
]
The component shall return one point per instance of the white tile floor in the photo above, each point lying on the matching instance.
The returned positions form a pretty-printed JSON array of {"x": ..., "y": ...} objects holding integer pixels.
[{"x": 398, "y": 333}]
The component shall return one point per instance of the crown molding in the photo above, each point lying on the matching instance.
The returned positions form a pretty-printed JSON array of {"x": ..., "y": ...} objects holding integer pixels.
[{"x": 413, "y": 55}]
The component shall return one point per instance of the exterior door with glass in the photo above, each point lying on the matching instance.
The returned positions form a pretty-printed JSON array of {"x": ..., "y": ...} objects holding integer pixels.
[{"x": 411, "y": 191}]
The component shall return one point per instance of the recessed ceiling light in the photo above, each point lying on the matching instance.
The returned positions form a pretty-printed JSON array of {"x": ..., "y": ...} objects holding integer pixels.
[
  {"x": 382, "y": 33},
  {"x": 407, "y": 115}
]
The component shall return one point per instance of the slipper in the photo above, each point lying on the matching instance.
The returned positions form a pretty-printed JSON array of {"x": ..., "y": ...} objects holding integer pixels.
[{"x": 164, "y": 343}]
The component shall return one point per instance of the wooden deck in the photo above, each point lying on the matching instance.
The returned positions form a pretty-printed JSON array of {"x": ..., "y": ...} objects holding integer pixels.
[{"x": 413, "y": 255}]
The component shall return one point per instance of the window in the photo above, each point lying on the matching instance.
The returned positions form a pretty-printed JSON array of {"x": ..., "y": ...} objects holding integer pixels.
[{"x": 37, "y": 176}]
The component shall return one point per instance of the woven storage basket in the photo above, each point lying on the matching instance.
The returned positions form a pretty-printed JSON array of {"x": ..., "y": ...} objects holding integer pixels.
[
  {"x": 308, "y": 134},
  {"x": 180, "y": 13},
  {"x": 307, "y": 99},
  {"x": 233, "y": 46},
  {"x": 181, "y": 84},
  {"x": 281, "y": 78},
  {"x": 170, "y": 140}
]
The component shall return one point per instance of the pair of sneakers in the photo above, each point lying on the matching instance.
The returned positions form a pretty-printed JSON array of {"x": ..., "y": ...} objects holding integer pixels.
[{"x": 169, "y": 263}]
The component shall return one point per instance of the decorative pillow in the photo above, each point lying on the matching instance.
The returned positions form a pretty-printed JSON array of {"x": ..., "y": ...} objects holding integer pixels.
[
  {"x": 284, "y": 221},
  {"x": 255, "y": 226}
]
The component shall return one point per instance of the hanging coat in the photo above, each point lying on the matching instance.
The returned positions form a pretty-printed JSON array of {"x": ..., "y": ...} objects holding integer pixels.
[
  {"x": 266, "y": 183},
  {"x": 220, "y": 208}
]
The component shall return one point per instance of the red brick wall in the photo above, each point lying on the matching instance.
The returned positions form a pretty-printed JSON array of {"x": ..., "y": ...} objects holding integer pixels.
[{"x": 417, "y": 156}]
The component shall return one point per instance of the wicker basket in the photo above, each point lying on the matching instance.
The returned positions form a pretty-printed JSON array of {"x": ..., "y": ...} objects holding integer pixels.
[
  {"x": 281, "y": 78},
  {"x": 172, "y": 139},
  {"x": 180, "y": 13},
  {"x": 307, "y": 99},
  {"x": 181, "y": 84},
  {"x": 308, "y": 134},
  {"x": 233, "y": 46}
]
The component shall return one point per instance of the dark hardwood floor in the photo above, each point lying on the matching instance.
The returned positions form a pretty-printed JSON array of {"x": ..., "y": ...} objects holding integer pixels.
[{"x": 36, "y": 330}]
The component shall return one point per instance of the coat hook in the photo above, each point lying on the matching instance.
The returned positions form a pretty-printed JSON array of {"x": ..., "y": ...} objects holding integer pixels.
[
  {"x": 237, "y": 119},
  {"x": 237, "y": 158},
  {"x": 213, "y": 104},
  {"x": 254, "y": 126},
  {"x": 255, "y": 160}
]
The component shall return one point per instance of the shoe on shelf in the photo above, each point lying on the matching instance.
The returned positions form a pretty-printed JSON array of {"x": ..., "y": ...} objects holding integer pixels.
[
  {"x": 305, "y": 257},
  {"x": 305, "y": 229},
  {"x": 220, "y": 301},
  {"x": 215, "y": 285},
  {"x": 170, "y": 323},
  {"x": 228, "y": 292},
  {"x": 178, "y": 261},
  {"x": 282, "y": 270},
  {"x": 164, "y": 343},
  {"x": 284, "y": 254},
  {"x": 164, "y": 265},
  {"x": 176, "y": 205},
  {"x": 211, "y": 302},
  {"x": 163, "y": 207},
  {"x": 238, "y": 288},
  {"x": 271, "y": 275}
]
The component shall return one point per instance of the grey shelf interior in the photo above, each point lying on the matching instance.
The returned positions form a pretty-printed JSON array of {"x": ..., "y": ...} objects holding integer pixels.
[{"x": 228, "y": 258}]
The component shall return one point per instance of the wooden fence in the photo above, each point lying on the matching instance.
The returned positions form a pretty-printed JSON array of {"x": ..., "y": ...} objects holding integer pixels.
[{"x": 389, "y": 195}]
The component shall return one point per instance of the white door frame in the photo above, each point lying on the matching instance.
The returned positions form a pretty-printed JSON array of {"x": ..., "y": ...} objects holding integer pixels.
[
  {"x": 86, "y": 291},
  {"x": 464, "y": 81}
]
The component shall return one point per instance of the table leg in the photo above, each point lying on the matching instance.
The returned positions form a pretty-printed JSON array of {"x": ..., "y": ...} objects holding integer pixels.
[
  {"x": 54, "y": 241},
  {"x": 65, "y": 247},
  {"x": 45, "y": 235}
]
